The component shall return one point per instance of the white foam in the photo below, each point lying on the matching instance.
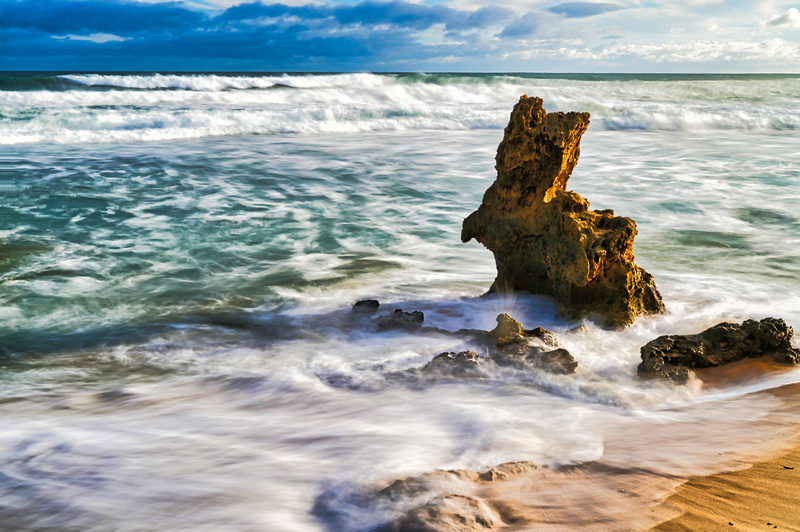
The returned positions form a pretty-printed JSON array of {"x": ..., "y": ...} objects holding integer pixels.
[{"x": 213, "y": 105}]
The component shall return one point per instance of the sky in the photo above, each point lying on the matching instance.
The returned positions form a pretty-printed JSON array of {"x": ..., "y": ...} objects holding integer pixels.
[{"x": 691, "y": 36}]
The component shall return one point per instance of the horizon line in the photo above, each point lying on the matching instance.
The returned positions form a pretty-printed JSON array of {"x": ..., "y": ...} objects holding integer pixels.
[{"x": 405, "y": 72}]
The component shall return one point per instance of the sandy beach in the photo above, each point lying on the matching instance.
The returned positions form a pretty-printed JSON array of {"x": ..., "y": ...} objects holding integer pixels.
[
  {"x": 754, "y": 487},
  {"x": 763, "y": 496},
  {"x": 760, "y": 497}
]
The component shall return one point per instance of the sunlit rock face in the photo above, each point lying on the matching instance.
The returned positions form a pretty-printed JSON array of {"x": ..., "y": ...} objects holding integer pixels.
[{"x": 544, "y": 238}]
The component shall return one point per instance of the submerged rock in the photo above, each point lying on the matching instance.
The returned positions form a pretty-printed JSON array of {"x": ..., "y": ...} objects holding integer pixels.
[
  {"x": 449, "y": 513},
  {"x": 436, "y": 481},
  {"x": 524, "y": 356},
  {"x": 454, "y": 511},
  {"x": 556, "y": 361},
  {"x": 443, "y": 480},
  {"x": 406, "y": 321},
  {"x": 516, "y": 349},
  {"x": 673, "y": 357},
  {"x": 544, "y": 238}
]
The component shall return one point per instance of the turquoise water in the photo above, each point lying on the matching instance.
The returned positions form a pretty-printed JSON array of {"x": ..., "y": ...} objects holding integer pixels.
[{"x": 178, "y": 256}]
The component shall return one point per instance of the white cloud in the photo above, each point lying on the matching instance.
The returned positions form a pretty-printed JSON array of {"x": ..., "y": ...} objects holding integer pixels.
[
  {"x": 94, "y": 37},
  {"x": 791, "y": 19},
  {"x": 772, "y": 51}
]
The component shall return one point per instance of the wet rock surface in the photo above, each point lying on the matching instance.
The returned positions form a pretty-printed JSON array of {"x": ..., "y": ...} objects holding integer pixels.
[
  {"x": 523, "y": 356},
  {"x": 507, "y": 471},
  {"x": 520, "y": 348},
  {"x": 436, "y": 481},
  {"x": 544, "y": 238},
  {"x": 449, "y": 513},
  {"x": 462, "y": 364},
  {"x": 507, "y": 331},
  {"x": 510, "y": 331},
  {"x": 673, "y": 357},
  {"x": 508, "y": 345},
  {"x": 457, "y": 511}
]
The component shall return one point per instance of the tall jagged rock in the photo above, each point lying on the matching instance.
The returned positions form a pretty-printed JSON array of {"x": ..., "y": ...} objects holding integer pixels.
[{"x": 544, "y": 238}]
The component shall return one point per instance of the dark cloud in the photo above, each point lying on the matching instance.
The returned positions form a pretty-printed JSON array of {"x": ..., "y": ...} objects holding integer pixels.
[
  {"x": 525, "y": 26},
  {"x": 402, "y": 14},
  {"x": 258, "y": 10},
  {"x": 396, "y": 13},
  {"x": 92, "y": 16},
  {"x": 75, "y": 16},
  {"x": 583, "y": 9},
  {"x": 259, "y": 35}
]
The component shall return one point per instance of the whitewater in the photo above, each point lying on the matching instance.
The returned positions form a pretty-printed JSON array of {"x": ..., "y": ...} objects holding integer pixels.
[{"x": 179, "y": 254}]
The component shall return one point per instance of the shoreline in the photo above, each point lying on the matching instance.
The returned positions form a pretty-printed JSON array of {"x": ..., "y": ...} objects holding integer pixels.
[
  {"x": 761, "y": 496},
  {"x": 748, "y": 483}
]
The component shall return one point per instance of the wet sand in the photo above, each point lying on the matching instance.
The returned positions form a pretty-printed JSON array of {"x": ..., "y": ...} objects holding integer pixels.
[
  {"x": 754, "y": 483},
  {"x": 764, "y": 496}
]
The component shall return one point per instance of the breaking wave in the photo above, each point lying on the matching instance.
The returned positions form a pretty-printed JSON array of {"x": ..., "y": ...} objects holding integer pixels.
[{"x": 101, "y": 108}]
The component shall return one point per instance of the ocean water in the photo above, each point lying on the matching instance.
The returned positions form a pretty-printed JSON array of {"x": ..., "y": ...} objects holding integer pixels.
[{"x": 179, "y": 255}]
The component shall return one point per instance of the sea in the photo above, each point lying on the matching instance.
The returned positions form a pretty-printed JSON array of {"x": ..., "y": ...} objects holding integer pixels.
[{"x": 179, "y": 255}]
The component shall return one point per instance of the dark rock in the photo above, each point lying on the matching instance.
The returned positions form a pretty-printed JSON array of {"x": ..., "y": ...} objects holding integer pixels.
[
  {"x": 366, "y": 306},
  {"x": 558, "y": 361},
  {"x": 525, "y": 356},
  {"x": 463, "y": 364},
  {"x": 545, "y": 336},
  {"x": 544, "y": 238},
  {"x": 516, "y": 355},
  {"x": 673, "y": 356},
  {"x": 407, "y": 321}
]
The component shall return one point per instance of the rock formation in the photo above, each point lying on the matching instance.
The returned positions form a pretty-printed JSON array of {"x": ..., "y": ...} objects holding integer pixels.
[
  {"x": 673, "y": 356},
  {"x": 449, "y": 513},
  {"x": 366, "y": 306},
  {"x": 544, "y": 238},
  {"x": 525, "y": 356},
  {"x": 454, "y": 511},
  {"x": 509, "y": 331},
  {"x": 463, "y": 364},
  {"x": 517, "y": 348}
]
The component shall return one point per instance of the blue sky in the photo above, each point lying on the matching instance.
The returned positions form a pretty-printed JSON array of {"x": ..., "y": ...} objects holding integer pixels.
[{"x": 702, "y": 36}]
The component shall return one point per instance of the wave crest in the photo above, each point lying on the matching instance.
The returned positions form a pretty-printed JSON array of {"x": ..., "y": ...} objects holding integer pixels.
[{"x": 129, "y": 108}]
